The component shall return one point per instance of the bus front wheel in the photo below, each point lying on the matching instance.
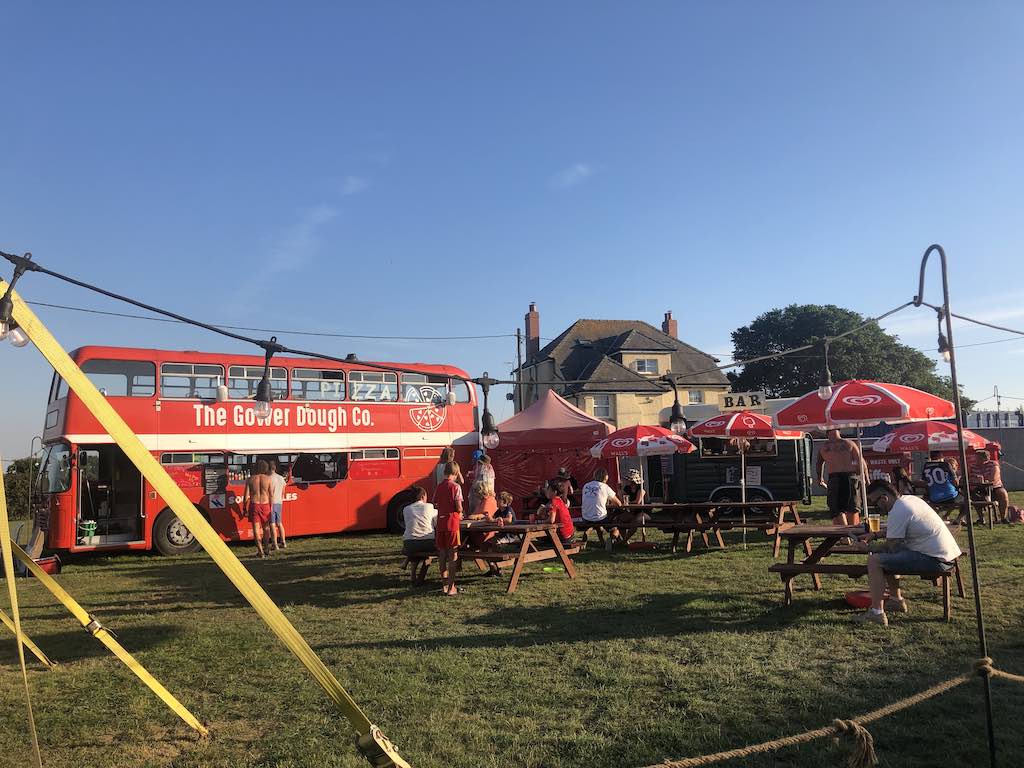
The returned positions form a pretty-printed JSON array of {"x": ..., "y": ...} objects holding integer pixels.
[{"x": 171, "y": 536}]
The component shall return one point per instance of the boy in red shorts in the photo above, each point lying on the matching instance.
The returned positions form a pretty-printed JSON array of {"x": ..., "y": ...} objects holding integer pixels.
[
  {"x": 257, "y": 502},
  {"x": 448, "y": 501}
]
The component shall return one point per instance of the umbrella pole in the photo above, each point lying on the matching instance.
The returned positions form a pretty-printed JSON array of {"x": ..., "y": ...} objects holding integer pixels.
[
  {"x": 743, "y": 488},
  {"x": 643, "y": 518},
  {"x": 863, "y": 477}
]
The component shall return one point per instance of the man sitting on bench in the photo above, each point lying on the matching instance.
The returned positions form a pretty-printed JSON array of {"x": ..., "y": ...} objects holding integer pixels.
[
  {"x": 597, "y": 497},
  {"x": 420, "y": 519},
  {"x": 916, "y": 541}
]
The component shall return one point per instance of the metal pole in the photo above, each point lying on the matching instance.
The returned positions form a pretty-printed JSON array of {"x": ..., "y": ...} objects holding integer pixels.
[
  {"x": 519, "y": 371},
  {"x": 999, "y": 411},
  {"x": 31, "y": 470},
  {"x": 965, "y": 504},
  {"x": 743, "y": 487}
]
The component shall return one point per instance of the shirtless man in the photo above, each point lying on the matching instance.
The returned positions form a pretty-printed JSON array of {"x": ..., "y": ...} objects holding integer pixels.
[
  {"x": 258, "y": 489},
  {"x": 846, "y": 468}
]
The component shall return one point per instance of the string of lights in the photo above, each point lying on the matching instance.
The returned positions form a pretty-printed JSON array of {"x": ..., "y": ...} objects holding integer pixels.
[
  {"x": 272, "y": 347},
  {"x": 323, "y": 334}
]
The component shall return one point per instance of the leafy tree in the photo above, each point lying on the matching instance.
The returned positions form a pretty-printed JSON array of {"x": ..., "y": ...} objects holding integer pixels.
[
  {"x": 17, "y": 480},
  {"x": 870, "y": 353}
]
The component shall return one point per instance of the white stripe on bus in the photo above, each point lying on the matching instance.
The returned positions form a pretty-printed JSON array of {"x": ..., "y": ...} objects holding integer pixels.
[{"x": 289, "y": 443}]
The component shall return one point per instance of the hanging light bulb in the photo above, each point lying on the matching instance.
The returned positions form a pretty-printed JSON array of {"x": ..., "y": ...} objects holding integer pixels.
[
  {"x": 488, "y": 432},
  {"x": 676, "y": 421},
  {"x": 263, "y": 409},
  {"x": 264, "y": 395},
  {"x": 18, "y": 336},
  {"x": 8, "y": 326},
  {"x": 825, "y": 389},
  {"x": 944, "y": 349}
]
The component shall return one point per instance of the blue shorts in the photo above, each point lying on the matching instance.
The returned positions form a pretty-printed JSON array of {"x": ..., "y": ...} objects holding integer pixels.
[
  {"x": 275, "y": 514},
  {"x": 909, "y": 561}
]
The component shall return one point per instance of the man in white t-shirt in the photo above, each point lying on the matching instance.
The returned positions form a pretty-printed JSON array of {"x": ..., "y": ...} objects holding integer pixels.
[
  {"x": 277, "y": 483},
  {"x": 597, "y": 497},
  {"x": 420, "y": 523},
  {"x": 916, "y": 540}
]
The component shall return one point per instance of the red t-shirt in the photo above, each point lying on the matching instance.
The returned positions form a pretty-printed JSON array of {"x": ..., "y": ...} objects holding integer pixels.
[
  {"x": 447, "y": 498},
  {"x": 562, "y": 518}
]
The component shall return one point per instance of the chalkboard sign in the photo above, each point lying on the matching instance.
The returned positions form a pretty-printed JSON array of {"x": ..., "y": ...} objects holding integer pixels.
[{"x": 215, "y": 479}]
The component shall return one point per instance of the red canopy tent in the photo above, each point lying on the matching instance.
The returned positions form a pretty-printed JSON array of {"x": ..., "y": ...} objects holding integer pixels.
[{"x": 537, "y": 441}]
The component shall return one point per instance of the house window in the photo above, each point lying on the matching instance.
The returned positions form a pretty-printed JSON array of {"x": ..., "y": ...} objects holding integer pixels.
[
  {"x": 603, "y": 406},
  {"x": 646, "y": 366},
  {"x": 696, "y": 397}
]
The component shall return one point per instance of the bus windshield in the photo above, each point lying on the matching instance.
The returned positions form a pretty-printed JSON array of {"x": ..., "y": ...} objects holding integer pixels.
[{"x": 55, "y": 469}]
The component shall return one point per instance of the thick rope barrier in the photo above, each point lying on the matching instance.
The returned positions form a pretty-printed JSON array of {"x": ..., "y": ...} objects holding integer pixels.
[{"x": 863, "y": 752}]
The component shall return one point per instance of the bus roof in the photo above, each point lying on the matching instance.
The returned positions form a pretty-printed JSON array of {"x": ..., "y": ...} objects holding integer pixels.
[{"x": 92, "y": 352}]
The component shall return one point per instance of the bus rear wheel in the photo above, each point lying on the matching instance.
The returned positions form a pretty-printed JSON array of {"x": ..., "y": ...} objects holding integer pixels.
[
  {"x": 171, "y": 536},
  {"x": 396, "y": 507}
]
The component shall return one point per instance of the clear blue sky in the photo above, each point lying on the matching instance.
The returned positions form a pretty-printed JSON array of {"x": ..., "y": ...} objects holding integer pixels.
[{"x": 427, "y": 169}]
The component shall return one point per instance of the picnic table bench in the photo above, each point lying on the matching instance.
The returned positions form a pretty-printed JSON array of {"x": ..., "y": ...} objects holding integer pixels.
[
  {"x": 535, "y": 545},
  {"x": 702, "y": 518},
  {"x": 831, "y": 537}
]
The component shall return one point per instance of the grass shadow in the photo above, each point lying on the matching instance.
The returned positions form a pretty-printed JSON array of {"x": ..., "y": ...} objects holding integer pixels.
[{"x": 77, "y": 645}]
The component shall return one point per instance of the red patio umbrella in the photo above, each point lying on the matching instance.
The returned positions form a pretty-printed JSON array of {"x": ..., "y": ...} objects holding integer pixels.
[
  {"x": 742, "y": 424},
  {"x": 863, "y": 404},
  {"x": 927, "y": 436},
  {"x": 641, "y": 440},
  {"x": 859, "y": 404}
]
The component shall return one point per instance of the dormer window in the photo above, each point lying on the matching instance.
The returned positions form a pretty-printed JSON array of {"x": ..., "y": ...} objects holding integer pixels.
[{"x": 646, "y": 366}]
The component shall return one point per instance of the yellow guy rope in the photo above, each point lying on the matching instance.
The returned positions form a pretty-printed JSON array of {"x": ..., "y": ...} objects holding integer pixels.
[
  {"x": 370, "y": 741},
  {"x": 101, "y": 633},
  {"x": 6, "y": 620},
  {"x": 12, "y": 590}
]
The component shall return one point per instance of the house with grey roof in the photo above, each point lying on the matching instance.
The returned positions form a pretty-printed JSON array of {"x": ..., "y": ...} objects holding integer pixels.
[{"x": 615, "y": 369}]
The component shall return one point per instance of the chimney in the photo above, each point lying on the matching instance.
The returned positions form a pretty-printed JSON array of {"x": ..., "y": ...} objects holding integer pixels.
[
  {"x": 670, "y": 326},
  {"x": 532, "y": 332}
]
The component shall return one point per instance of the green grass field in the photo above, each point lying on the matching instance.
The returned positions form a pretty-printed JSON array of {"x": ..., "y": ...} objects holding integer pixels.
[{"x": 644, "y": 656}]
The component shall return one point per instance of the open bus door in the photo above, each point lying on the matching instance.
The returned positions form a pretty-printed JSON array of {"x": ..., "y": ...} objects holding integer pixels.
[{"x": 109, "y": 507}]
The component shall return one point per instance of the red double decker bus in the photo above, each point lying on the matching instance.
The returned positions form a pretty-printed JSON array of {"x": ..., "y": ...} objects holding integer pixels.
[{"x": 349, "y": 438}]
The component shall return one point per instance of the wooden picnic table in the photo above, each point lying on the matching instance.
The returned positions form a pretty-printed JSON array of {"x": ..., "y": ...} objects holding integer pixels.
[
  {"x": 831, "y": 536},
  {"x": 982, "y": 501},
  {"x": 702, "y": 517},
  {"x": 535, "y": 545}
]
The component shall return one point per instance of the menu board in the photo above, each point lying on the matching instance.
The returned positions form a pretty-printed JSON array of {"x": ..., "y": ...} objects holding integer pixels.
[{"x": 215, "y": 479}]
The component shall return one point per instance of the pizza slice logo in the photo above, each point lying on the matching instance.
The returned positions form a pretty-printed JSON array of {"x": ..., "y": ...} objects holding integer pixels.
[{"x": 431, "y": 415}]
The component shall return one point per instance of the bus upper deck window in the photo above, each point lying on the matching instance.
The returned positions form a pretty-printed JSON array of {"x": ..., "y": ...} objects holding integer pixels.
[
  {"x": 424, "y": 388},
  {"x": 373, "y": 386},
  {"x": 121, "y": 378},
  {"x": 190, "y": 381},
  {"x": 317, "y": 384},
  {"x": 243, "y": 380}
]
